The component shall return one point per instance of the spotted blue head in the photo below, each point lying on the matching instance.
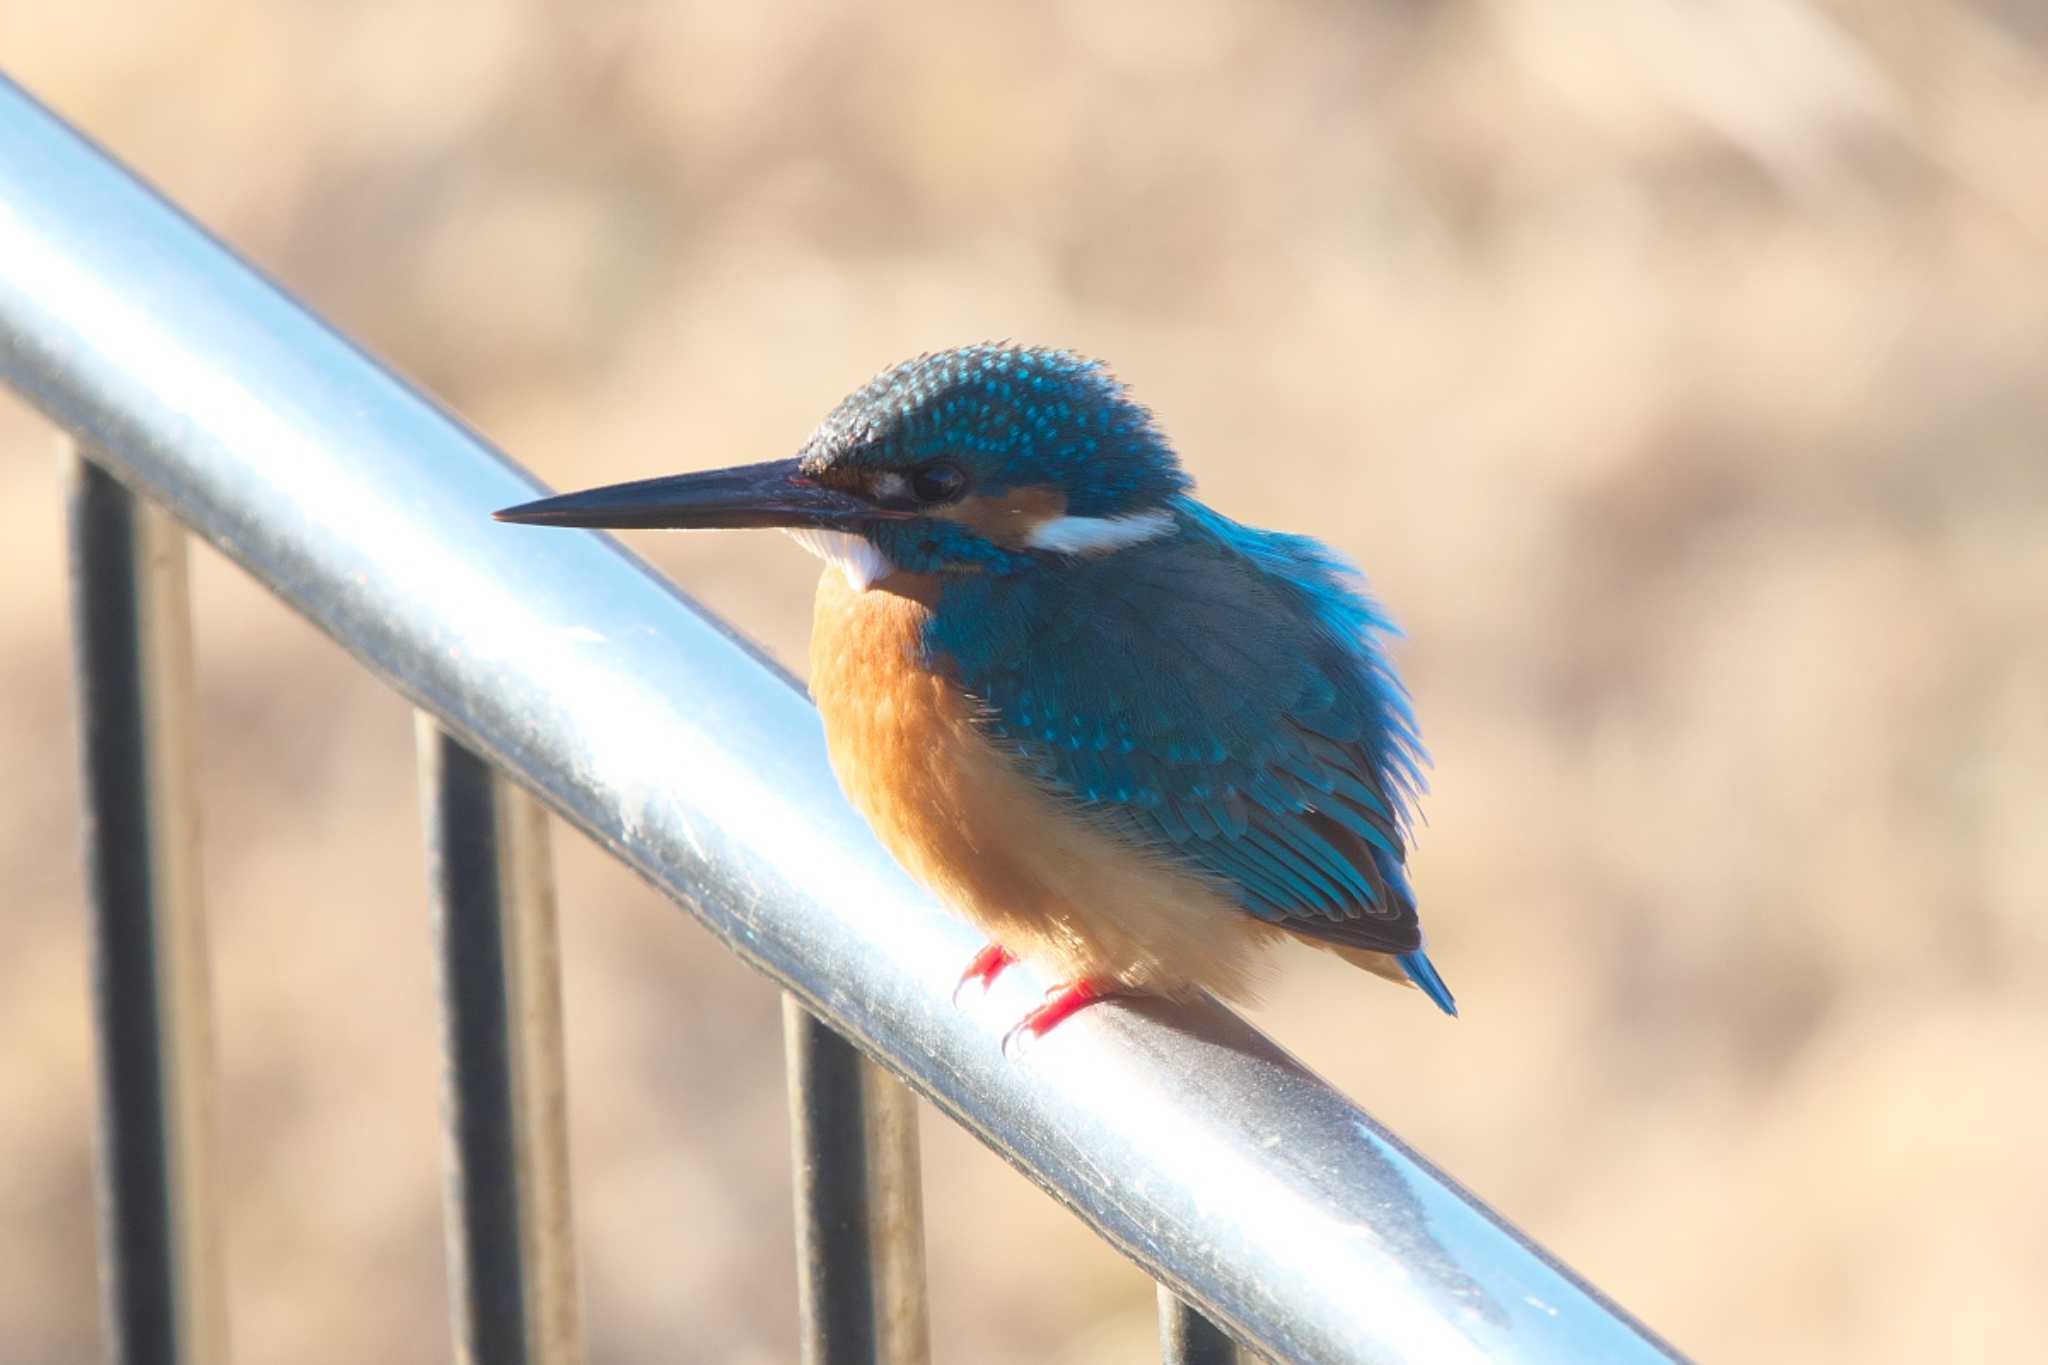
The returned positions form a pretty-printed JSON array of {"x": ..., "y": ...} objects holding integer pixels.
[{"x": 981, "y": 459}]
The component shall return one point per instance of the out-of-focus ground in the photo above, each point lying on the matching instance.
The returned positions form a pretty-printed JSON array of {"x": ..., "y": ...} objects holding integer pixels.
[{"x": 1676, "y": 370}]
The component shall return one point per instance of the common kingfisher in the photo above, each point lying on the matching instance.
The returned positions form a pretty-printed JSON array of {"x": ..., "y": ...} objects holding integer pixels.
[{"x": 1132, "y": 740}]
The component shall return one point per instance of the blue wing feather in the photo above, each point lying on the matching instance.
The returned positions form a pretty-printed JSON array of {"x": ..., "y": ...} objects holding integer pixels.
[{"x": 1220, "y": 694}]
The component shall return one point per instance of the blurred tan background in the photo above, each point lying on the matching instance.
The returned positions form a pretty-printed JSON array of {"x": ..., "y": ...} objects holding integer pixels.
[{"x": 1675, "y": 367}]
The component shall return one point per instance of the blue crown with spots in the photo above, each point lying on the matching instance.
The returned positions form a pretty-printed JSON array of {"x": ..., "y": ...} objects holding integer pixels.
[{"x": 1017, "y": 417}]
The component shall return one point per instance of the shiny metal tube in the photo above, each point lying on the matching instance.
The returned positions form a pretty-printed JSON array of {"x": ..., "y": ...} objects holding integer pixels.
[
  {"x": 1180, "y": 1134},
  {"x": 160, "y": 1253},
  {"x": 859, "y": 1213},
  {"x": 511, "y": 1245}
]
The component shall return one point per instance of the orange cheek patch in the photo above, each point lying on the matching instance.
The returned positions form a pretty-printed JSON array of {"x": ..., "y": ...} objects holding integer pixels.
[{"x": 1010, "y": 519}]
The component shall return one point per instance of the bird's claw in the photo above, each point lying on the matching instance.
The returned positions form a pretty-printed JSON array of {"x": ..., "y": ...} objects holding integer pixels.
[
  {"x": 986, "y": 966},
  {"x": 1061, "y": 1003}
]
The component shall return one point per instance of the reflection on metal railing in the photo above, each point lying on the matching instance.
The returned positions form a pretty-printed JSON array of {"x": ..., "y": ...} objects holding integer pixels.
[{"x": 1253, "y": 1191}]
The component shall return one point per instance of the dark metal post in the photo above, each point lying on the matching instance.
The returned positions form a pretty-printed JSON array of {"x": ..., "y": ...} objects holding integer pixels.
[
  {"x": 511, "y": 1248},
  {"x": 859, "y": 1210},
  {"x": 1188, "y": 1338},
  {"x": 159, "y": 1252}
]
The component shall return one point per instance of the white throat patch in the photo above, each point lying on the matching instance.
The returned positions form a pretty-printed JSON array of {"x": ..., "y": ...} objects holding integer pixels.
[
  {"x": 856, "y": 556},
  {"x": 1099, "y": 535}
]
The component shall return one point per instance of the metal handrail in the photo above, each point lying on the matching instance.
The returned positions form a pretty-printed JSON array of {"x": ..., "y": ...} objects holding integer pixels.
[{"x": 1180, "y": 1134}]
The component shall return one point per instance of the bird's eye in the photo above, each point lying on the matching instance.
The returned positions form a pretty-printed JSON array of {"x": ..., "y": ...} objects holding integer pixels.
[{"x": 939, "y": 481}]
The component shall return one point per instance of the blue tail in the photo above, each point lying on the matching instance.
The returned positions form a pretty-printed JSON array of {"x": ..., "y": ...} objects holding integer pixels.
[{"x": 1423, "y": 973}]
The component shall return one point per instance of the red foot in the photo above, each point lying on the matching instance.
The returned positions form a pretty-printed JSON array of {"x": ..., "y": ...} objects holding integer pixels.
[
  {"x": 1061, "y": 1004},
  {"x": 987, "y": 965}
]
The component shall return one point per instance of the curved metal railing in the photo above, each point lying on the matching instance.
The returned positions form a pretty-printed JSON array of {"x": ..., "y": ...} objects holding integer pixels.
[{"x": 1247, "y": 1186}]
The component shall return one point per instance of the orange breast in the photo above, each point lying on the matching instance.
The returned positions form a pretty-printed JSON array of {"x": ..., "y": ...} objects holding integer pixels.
[{"x": 983, "y": 835}]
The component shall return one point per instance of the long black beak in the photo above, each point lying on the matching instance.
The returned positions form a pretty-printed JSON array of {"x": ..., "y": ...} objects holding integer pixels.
[{"x": 772, "y": 494}]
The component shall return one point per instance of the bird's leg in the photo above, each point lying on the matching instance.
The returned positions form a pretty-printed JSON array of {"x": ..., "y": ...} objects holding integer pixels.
[
  {"x": 1061, "y": 1003},
  {"x": 987, "y": 965}
]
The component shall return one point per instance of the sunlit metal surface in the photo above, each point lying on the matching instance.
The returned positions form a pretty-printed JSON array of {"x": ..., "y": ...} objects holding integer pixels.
[
  {"x": 511, "y": 1248},
  {"x": 1181, "y": 1134},
  {"x": 859, "y": 1211},
  {"x": 158, "y": 1229}
]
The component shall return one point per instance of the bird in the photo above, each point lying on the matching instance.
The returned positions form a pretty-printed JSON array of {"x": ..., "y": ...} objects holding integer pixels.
[{"x": 1133, "y": 741}]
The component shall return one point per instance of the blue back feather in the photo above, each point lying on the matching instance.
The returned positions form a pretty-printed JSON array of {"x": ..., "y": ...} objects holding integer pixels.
[{"x": 1218, "y": 694}]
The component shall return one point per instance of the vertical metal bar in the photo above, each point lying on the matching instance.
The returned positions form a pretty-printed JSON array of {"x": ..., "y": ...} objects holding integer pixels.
[
  {"x": 159, "y": 1245},
  {"x": 511, "y": 1244},
  {"x": 1188, "y": 1338},
  {"x": 859, "y": 1206}
]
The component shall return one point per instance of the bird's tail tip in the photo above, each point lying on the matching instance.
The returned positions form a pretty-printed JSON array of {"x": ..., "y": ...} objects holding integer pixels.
[{"x": 1423, "y": 973}]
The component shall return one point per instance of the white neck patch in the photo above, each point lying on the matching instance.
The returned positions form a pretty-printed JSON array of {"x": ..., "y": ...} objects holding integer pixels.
[
  {"x": 856, "y": 556},
  {"x": 1099, "y": 535}
]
